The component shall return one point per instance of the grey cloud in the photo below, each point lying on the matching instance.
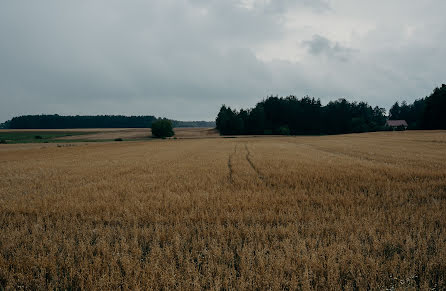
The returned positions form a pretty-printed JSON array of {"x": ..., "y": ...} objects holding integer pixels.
[
  {"x": 282, "y": 6},
  {"x": 57, "y": 58},
  {"x": 320, "y": 45}
]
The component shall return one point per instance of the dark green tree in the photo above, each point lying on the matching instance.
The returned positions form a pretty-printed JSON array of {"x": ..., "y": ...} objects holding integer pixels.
[
  {"x": 162, "y": 128},
  {"x": 435, "y": 111},
  {"x": 229, "y": 122},
  {"x": 290, "y": 115},
  {"x": 411, "y": 113},
  {"x": 395, "y": 111}
]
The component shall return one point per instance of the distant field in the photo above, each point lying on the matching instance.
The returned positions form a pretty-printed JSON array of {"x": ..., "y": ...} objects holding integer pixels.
[
  {"x": 33, "y": 136},
  {"x": 94, "y": 134},
  {"x": 364, "y": 211},
  {"x": 145, "y": 133}
]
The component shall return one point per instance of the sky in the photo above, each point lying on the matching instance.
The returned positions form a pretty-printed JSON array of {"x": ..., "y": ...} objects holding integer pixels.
[{"x": 183, "y": 59}]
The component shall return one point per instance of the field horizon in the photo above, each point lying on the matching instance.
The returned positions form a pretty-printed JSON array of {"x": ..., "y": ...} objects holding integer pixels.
[{"x": 15, "y": 136}]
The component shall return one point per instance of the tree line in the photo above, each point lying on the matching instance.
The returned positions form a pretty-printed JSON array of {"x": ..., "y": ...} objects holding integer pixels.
[
  {"x": 56, "y": 121},
  {"x": 424, "y": 113},
  {"x": 290, "y": 115}
]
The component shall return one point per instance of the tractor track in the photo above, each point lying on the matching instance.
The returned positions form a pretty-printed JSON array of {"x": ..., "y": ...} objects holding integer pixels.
[
  {"x": 231, "y": 170},
  {"x": 253, "y": 166}
]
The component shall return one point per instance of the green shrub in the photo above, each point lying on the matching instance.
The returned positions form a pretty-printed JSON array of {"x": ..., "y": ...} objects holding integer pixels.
[
  {"x": 284, "y": 130},
  {"x": 162, "y": 128}
]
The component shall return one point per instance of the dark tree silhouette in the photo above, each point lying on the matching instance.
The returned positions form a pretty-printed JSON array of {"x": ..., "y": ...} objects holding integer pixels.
[
  {"x": 411, "y": 113},
  {"x": 424, "y": 113},
  {"x": 290, "y": 115},
  {"x": 435, "y": 109},
  {"x": 98, "y": 121},
  {"x": 162, "y": 128}
]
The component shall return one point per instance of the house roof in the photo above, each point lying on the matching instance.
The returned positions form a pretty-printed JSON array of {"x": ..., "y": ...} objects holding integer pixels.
[{"x": 396, "y": 123}]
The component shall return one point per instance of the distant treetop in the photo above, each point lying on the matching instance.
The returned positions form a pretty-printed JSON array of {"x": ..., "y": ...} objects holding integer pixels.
[
  {"x": 290, "y": 115},
  {"x": 56, "y": 121},
  {"x": 162, "y": 128}
]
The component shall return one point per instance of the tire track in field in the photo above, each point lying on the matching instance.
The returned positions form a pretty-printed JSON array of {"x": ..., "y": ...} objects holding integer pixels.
[
  {"x": 231, "y": 170},
  {"x": 253, "y": 166}
]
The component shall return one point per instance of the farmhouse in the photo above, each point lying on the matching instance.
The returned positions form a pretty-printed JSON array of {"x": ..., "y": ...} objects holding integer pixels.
[{"x": 396, "y": 124}]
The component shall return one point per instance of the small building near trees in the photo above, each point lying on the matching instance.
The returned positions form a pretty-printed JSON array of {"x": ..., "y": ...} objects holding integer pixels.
[{"x": 396, "y": 124}]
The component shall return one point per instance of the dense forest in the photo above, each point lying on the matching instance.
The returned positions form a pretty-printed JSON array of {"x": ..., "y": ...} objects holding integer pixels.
[
  {"x": 290, "y": 115},
  {"x": 98, "y": 121},
  {"x": 424, "y": 113}
]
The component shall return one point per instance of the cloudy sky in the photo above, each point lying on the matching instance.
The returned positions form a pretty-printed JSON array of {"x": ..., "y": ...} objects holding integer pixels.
[{"x": 182, "y": 59}]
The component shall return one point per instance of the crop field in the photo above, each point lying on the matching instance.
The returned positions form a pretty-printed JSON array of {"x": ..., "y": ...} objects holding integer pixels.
[
  {"x": 14, "y": 136},
  {"x": 34, "y": 136},
  {"x": 357, "y": 211}
]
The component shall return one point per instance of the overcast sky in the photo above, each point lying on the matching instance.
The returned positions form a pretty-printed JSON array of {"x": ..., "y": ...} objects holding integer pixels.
[{"x": 182, "y": 59}]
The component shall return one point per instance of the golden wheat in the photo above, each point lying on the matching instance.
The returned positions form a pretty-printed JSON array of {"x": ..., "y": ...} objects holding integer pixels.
[{"x": 360, "y": 211}]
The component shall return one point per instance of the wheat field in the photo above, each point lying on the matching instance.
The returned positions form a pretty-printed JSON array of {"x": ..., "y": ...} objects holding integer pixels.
[{"x": 358, "y": 211}]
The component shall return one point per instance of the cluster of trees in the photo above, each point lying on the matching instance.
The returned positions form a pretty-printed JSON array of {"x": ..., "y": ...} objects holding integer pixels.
[
  {"x": 411, "y": 113},
  {"x": 98, "y": 121},
  {"x": 424, "y": 113},
  {"x": 162, "y": 128},
  {"x": 290, "y": 115}
]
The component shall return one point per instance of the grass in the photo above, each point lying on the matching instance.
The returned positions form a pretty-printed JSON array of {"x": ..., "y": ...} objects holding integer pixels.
[
  {"x": 360, "y": 211},
  {"x": 37, "y": 136}
]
